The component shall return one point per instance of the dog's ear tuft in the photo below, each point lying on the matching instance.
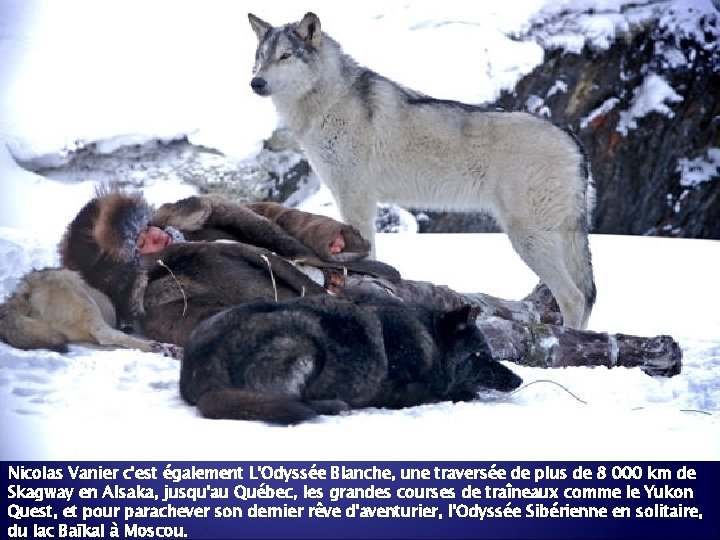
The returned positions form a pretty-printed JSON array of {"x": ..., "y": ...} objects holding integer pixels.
[
  {"x": 259, "y": 26},
  {"x": 309, "y": 29},
  {"x": 459, "y": 320}
]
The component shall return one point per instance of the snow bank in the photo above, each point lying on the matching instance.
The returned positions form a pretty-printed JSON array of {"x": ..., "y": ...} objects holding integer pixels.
[
  {"x": 650, "y": 96},
  {"x": 699, "y": 170}
]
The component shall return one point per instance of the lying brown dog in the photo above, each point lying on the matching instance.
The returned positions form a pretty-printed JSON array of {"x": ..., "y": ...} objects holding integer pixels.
[{"x": 54, "y": 307}]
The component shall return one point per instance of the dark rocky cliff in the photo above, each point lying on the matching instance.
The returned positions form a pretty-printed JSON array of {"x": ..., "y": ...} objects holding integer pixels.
[{"x": 660, "y": 176}]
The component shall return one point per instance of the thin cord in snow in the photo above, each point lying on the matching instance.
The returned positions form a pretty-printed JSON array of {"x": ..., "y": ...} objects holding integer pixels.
[
  {"x": 585, "y": 402},
  {"x": 552, "y": 382},
  {"x": 681, "y": 410}
]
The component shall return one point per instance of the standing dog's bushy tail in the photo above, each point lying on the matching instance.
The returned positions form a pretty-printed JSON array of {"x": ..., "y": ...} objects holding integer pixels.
[
  {"x": 579, "y": 263},
  {"x": 581, "y": 268},
  {"x": 575, "y": 245}
]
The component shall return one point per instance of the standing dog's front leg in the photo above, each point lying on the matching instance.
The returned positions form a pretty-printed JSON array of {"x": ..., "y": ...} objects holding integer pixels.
[{"x": 358, "y": 210}]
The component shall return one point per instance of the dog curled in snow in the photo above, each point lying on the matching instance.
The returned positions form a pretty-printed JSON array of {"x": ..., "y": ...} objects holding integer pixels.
[
  {"x": 371, "y": 140},
  {"x": 286, "y": 362},
  {"x": 54, "y": 307}
]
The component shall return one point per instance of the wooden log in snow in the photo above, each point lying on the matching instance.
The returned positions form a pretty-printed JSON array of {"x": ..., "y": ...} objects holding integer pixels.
[
  {"x": 552, "y": 346},
  {"x": 529, "y": 331}
]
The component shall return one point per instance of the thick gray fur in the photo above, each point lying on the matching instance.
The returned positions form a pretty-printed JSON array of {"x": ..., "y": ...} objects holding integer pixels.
[{"x": 372, "y": 140}]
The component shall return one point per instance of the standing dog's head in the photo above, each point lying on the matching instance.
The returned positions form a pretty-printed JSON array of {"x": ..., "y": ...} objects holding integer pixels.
[{"x": 284, "y": 56}]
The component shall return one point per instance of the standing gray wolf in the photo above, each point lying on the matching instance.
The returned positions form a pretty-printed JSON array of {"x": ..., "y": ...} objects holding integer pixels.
[
  {"x": 285, "y": 362},
  {"x": 54, "y": 307},
  {"x": 371, "y": 140}
]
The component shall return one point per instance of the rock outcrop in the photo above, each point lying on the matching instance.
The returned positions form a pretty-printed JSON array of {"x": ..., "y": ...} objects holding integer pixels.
[{"x": 647, "y": 110}]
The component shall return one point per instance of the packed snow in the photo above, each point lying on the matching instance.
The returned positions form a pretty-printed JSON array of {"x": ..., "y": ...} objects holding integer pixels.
[
  {"x": 653, "y": 95},
  {"x": 601, "y": 111},
  {"x": 699, "y": 170},
  {"x": 80, "y": 72},
  {"x": 90, "y": 404}
]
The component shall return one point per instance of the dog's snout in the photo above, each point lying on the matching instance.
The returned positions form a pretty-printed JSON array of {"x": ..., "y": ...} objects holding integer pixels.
[{"x": 259, "y": 85}]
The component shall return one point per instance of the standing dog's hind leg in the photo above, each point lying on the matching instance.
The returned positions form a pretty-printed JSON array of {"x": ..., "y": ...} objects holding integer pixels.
[{"x": 544, "y": 253}]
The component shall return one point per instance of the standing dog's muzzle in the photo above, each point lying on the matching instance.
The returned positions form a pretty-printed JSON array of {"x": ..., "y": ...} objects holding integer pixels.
[{"x": 259, "y": 86}]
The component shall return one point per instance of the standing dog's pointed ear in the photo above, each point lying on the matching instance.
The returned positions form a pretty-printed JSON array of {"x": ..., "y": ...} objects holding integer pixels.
[
  {"x": 309, "y": 29},
  {"x": 259, "y": 26}
]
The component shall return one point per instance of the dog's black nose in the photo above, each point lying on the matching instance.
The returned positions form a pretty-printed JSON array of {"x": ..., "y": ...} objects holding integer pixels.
[{"x": 259, "y": 85}]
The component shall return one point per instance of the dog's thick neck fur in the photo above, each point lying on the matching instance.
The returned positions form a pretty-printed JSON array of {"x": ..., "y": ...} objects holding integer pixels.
[{"x": 315, "y": 104}]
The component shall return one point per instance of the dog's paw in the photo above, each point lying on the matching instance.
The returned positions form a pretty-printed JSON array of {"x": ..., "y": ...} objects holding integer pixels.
[
  {"x": 167, "y": 349},
  {"x": 59, "y": 347}
]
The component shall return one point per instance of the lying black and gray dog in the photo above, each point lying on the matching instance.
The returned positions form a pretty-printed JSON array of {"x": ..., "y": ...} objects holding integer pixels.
[{"x": 286, "y": 362}]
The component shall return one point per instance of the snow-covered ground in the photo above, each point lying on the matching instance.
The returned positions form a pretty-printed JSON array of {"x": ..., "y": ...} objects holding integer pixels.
[
  {"x": 77, "y": 72},
  {"x": 91, "y": 404}
]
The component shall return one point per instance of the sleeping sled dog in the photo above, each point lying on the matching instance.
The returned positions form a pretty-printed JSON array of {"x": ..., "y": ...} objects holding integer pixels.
[
  {"x": 371, "y": 140},
  {"x": 53, "y": 307},
  {"x": 286, "y": 362}
]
